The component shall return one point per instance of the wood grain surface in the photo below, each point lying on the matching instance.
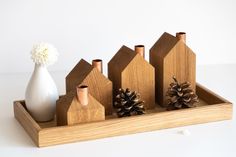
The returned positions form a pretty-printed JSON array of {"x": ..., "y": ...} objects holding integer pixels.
[
  {"x": 172, "y": 57},
  {"x": 210, "y": 108}
]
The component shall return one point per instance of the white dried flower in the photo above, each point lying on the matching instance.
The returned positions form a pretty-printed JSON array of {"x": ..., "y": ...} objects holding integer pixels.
[{"x": 44, "y": 53}]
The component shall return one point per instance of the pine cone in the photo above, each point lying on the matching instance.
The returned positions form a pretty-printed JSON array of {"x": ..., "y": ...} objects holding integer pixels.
[
  {"x": 127, "y": 103},
  {"x": 181, "y": 96}
]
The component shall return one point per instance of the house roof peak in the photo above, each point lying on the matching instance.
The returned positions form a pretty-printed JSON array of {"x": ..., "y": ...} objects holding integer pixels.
[
  {"x": 123, "y": 57},
  {"x": 164, "y": 44}
]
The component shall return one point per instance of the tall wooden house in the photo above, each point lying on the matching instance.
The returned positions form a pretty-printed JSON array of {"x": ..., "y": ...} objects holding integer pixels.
[
  {"x": 100, "y": 87},
  {"x": 128, "y": 69},
  {"x": 172, "y": 57}
]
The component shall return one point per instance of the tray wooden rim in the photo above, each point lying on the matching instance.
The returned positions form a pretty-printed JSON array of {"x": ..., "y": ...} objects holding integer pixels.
[{"x": 218, "y": 109}]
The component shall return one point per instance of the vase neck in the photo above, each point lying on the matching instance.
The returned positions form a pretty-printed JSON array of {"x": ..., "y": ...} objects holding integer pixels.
[{"x": 40, "y": 67}]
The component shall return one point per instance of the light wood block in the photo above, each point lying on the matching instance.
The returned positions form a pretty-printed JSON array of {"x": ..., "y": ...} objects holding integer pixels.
[
  {"x": 128, "y": 69},
  {"x": 100, "y": 87},
  {"x": 26, "y": 120},
  {"x": 210, "y": 108},
  {"x": 70, "y": 111},
  {"x": 171, "y": 57}
]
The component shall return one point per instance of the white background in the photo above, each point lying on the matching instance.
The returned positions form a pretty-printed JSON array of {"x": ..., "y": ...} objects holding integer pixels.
[{"x": 97, "y": 29}]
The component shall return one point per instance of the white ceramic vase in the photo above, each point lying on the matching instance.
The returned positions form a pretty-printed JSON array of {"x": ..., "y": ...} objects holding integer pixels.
[{"x": 41, "y": 94}]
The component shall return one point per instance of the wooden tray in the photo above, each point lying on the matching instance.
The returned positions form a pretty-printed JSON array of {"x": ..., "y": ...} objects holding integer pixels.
[{"x": 210, "y": 108}]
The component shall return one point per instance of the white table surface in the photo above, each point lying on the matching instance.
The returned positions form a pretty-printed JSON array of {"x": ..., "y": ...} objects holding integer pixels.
[{"x": 217, "y": 139}]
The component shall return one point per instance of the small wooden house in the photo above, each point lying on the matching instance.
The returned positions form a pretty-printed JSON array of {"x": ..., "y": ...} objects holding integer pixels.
[
  {"x": 70, "y": 109},
  {"x": 172, "y": 57},
  {"x": 128, "y": 69},
  {"x": 100, "y": 87}
]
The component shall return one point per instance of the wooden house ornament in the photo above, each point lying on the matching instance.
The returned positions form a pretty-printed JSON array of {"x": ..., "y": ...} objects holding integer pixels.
[
  {"x": 78, "y": 106},
  {"x": 100, "y": 87},
  {"x": 128, "y": 69},
  {"x": 172, "y": 57}
]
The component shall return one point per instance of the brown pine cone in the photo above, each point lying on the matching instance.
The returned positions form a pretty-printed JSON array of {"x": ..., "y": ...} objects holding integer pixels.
[
  {"x": 127, "y": 103},
  {"x": 181, "y": 96}
]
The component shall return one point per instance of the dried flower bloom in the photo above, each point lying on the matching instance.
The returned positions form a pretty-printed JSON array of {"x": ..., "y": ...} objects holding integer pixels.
[{"x": 44, "y": 53}]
